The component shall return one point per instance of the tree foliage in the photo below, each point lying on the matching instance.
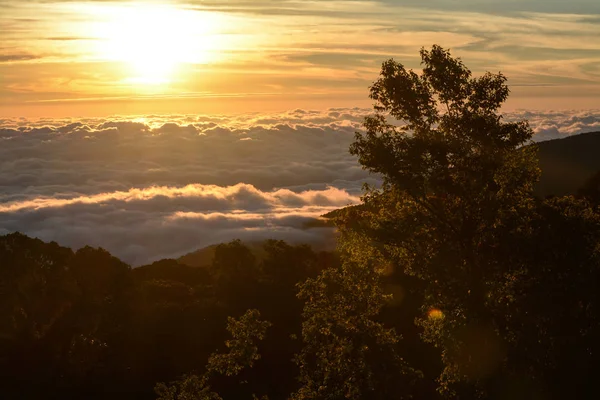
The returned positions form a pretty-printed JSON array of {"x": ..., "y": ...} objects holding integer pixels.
[
  {"x": 591, "y": 189},
  {"x": 347, "y": 353},
  {"x": 457, "y": 211},
  {"x": 243, "y": 352},
  {"x": 74, "y": 322}
]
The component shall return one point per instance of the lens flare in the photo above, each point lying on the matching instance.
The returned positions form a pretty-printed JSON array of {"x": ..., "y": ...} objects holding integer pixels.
[{"x": 435, "y": 314}]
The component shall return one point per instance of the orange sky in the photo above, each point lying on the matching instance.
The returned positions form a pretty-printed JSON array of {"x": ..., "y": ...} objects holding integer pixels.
[{"x": 70, "y": 58}]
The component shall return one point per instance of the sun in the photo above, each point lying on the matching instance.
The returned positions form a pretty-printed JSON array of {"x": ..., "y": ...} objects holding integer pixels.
[{"x": 153, "y": 41}]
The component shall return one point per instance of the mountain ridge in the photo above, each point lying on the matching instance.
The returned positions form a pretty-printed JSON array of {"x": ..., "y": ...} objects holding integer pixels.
[{"x": 567, "y": 163}]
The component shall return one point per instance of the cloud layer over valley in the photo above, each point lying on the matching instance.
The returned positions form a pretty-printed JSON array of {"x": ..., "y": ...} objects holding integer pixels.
[{"x": 152, "y": 187}]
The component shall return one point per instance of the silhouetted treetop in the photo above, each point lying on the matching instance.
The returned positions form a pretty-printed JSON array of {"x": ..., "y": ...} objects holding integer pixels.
[{"x": 448, "y": 137}]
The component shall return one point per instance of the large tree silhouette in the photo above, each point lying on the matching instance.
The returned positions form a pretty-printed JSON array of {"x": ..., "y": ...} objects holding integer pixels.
[{"x": 457, "y": 211}]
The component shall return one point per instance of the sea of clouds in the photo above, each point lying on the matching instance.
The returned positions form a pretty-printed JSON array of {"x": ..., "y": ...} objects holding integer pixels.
[{"x": 150, "y": 187}]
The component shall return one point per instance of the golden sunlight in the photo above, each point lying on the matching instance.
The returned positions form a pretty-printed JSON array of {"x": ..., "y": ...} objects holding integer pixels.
[{"x": 153, "y": 41}]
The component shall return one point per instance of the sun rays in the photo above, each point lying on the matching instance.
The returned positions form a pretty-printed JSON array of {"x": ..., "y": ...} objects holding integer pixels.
[{"x": 153, "y": 41}]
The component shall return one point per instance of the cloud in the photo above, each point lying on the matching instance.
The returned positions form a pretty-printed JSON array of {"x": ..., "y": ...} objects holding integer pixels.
[
  {"x": 152, "y": 187},
  {"x": 557, "y": 124},
  {"x": 194, "y": 196},
  {"x": 143, "y": 225},
  {"x": 6, "y": 58},
  {"x": 149, "y": 187}
]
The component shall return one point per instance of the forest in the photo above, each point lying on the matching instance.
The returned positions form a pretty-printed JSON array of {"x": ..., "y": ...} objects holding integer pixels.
[{"x": 456, "y": 279}]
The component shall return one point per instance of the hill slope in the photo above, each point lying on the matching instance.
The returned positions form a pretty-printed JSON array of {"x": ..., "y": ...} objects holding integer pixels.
[
  {"x": 203, "y": 257},
  {"x": 568, "y": 163}
]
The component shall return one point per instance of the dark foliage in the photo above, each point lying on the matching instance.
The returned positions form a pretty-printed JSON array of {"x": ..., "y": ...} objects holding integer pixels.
[
  {"x": 591, "y": 190},
  {"x": 85, "y": 325}
]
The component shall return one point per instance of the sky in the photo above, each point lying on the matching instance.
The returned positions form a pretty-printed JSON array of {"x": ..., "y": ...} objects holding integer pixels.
[{"x": 99, "y": 58}]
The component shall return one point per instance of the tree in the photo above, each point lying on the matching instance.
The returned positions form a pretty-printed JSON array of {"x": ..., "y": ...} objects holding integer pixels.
[
  {"x": 555, "y": 314},
  {"x": 235, "y": 274},
  {"x": 36, "y": 296},
  {"x": 457, "y": 192},
  {"x": 348, "y": 353},
  {"x": 243, "y": 353},
  {"x": 591, "y": 189}
]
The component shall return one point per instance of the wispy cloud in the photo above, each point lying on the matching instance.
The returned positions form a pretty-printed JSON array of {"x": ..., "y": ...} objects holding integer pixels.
[
  {"x": 4, "y": 58},
  {"x": 240, "y": 195},
  {"x": 143, "y": 225}
]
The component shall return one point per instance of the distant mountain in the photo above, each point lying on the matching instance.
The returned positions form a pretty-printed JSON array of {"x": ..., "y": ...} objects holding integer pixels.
[
  {"x": 568, "y": 163},
  {"x": 204, "y": 256}
]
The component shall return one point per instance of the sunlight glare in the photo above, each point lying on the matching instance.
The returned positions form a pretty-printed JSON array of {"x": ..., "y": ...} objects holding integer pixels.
[{"x": 154, "y": 40}]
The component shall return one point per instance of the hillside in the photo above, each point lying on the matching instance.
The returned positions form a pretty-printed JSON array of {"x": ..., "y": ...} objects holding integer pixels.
[
  {"x": 203, "y": 257},
  {"x": 568, "y": 163}
]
